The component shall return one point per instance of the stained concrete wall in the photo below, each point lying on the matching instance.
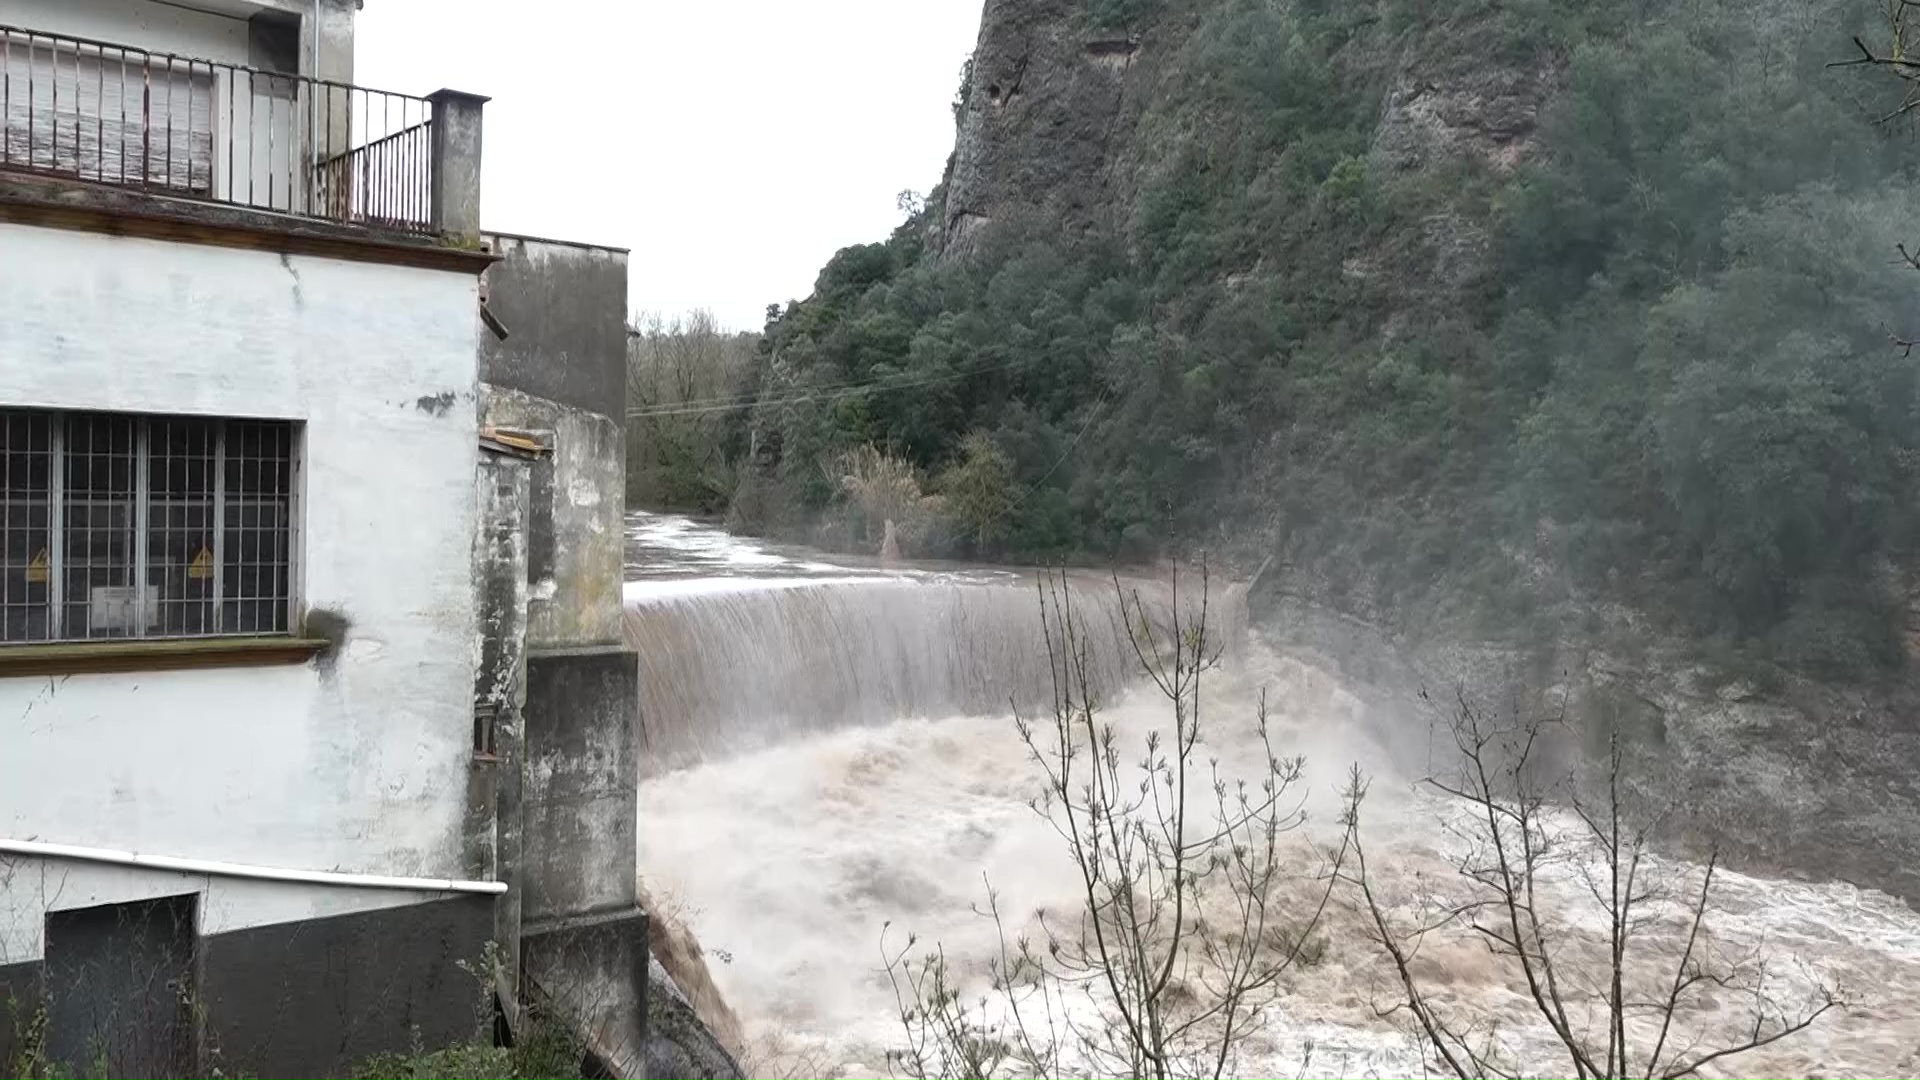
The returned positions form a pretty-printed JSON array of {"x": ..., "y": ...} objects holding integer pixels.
[
  {"x": 561, "y": 373},
  {"x": 565, "y": 307},
  {"x": 577, "y": 541},
  {"x": 494, "y": 796},
  {"x": 562, "y": 370},
  {"x": 582, "y": 776},
  {"x": 359, "y": 765},
  {"x": 594, "y": 973}
]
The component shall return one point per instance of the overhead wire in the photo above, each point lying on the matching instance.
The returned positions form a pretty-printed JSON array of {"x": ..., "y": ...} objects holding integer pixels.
[{"x": 698, "y": 406}]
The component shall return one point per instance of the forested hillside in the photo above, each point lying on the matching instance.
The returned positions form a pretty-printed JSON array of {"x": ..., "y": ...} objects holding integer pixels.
[{"x": 1463, "y": 309}]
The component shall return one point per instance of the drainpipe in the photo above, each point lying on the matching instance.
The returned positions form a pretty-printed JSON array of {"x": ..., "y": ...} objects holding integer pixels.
[
  {"x": 210, "y": 868},
  {"x": 313, "y": 109}
]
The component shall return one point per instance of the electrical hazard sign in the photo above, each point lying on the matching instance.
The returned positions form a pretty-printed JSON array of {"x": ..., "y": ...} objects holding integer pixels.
[
  {"x": 202, "y": 566},
  {"x": 39, "y": 569}
]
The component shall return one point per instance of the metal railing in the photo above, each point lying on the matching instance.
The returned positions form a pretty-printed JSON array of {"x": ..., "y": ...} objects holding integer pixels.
[
  {"x": 385, "y": 183},
  {"x": 200, "y": 129}
]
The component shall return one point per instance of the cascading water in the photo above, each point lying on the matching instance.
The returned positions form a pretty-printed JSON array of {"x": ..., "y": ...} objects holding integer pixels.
[
  {"x": 831, "y": 749},
  {"x": 730, "y": 664},
  {"x": 730, "y": 669}
]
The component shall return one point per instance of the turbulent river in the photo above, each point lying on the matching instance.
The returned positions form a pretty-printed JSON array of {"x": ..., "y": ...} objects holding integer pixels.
[{"x": 830, "y": 748}]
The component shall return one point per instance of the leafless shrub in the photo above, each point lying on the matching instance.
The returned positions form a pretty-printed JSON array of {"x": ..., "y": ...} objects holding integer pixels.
[
  {"x": 887, "y": 492},
  {"x": 1619, "y": 1002},
  {"x": 688, "y": 383},
  {"x": 1190, "y": 911}
]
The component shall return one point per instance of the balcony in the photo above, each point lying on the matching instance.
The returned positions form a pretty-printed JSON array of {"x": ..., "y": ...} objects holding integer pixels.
[{"x": 201, "y": 130}]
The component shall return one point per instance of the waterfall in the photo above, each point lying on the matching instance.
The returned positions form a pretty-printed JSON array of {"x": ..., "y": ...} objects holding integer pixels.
[{"x": 728, "y": 667}]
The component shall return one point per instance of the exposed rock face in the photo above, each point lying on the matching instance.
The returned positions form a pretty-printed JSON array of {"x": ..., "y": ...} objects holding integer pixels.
[
  {"x": 1045, "y": 121},
  {"x": 1490, "y": 113}
]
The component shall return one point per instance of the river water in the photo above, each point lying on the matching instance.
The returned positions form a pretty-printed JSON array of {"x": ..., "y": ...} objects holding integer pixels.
[{"x": 831, "y": 748}]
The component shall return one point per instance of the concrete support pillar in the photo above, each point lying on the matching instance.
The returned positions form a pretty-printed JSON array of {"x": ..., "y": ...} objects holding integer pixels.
[{"x": 456, "y": 164}]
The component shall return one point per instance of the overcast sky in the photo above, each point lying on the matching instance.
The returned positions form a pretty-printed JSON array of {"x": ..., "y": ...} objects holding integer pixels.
[{"x": 734, "y": 145}]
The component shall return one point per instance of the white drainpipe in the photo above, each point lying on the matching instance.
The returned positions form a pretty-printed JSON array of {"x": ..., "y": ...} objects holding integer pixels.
[{"x": 36, "y": 849}]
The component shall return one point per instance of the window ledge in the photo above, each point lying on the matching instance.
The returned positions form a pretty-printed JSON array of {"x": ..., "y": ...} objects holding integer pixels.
[{"x": 165, "y": 654}]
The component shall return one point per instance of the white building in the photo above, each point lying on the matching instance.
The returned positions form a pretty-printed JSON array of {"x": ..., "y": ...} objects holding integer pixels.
[{"x": 262, "y": 780}]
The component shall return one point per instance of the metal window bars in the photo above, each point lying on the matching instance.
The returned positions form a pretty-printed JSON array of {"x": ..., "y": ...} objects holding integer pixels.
[
  {"x": 117, "y": 526},
  {"x": 199, "y": 129}
]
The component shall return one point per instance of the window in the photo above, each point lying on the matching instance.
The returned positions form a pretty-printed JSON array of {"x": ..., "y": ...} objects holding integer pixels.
[{"x": 115, "y": 526}]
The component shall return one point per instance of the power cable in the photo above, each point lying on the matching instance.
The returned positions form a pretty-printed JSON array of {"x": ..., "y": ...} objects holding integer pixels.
[{"x": 710, "y": 405}]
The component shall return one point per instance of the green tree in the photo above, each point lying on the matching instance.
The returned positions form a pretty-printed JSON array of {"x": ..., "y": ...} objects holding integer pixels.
[{"x": 979, "y": 492}]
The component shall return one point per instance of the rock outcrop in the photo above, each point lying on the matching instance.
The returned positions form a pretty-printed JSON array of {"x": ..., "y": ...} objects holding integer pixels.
[{"x": 1047, "y": 120}]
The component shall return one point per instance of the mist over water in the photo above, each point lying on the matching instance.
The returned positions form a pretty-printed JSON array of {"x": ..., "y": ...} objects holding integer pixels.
[{"x": 832, "y": 749}]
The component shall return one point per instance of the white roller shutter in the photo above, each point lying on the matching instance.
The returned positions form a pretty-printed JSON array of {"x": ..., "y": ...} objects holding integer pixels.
[{"x": 100, "y": 117}]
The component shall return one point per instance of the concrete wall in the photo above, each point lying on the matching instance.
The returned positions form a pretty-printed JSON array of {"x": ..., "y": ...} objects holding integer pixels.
[
  {"x": 595, "y": 975},
  {"x": 220, "y": 35},
  {"x": 314, "y": 998},
  {"x": 566, "y": 308},
  {"x": 582, "y": 778},
  {"x": 357, "y": 765},
  {"x": 319, "y": 998},
  {"x": 562, "y": 372},
  {"x": 160, "y": 27},
  {"x": 577, "y": 542},
  {"x": 494, "y": 799}
]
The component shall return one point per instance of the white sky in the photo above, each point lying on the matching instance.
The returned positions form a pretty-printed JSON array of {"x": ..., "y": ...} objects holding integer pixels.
[{"x": 734, "y": 145}]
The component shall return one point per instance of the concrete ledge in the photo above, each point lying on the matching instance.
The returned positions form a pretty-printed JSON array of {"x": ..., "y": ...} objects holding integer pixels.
[
  {"x": 166, "y": 654},
  {"x": 60, "y": 203},
  {"x": 593, "y": 975}
]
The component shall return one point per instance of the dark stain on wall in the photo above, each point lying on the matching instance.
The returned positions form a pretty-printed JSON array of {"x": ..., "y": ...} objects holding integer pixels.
[
  {"x": 436, "y": 404},
  {"x": 333, "y": 627},
  {"x": 543, "y": 554}
]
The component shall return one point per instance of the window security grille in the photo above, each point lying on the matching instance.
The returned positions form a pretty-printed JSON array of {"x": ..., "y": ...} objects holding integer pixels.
[{"x": 115, "y": 526}]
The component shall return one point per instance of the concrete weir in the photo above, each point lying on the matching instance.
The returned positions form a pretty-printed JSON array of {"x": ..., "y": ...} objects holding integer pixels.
[{"x": 741, "y": 648}]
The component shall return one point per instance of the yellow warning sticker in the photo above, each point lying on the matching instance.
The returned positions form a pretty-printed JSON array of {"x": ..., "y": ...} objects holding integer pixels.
[
  {"x": 202, "y": 567},
  {"x": 37, "y": 570}
]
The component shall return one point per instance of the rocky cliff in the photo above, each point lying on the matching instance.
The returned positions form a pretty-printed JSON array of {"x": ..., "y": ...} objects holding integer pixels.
[{"x": 1048, "y": 116}]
